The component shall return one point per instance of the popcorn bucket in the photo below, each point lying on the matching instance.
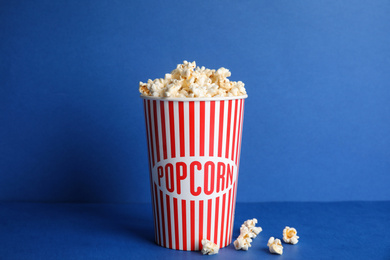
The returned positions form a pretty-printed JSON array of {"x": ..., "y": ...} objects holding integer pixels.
[{"x": 194, "y": 152}]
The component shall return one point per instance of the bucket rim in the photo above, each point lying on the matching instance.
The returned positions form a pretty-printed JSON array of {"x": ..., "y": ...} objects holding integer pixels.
[{"x": 194, "y": 99}]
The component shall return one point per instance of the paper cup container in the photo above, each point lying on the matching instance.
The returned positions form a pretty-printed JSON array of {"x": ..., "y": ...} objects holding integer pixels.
[{"x": 194, "y": 152}]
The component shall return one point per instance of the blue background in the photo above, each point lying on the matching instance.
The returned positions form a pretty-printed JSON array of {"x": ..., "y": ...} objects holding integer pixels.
[{"x": 317, "y": 120}]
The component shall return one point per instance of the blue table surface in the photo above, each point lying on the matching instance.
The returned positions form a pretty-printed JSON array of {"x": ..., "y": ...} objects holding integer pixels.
[{"x": 339, "y": 230}]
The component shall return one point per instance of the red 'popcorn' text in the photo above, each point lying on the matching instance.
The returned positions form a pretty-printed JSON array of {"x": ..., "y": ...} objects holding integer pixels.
[{"x": 215, "y": 177}]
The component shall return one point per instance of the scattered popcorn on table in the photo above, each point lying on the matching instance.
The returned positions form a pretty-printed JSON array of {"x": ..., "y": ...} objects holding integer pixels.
[
  {"x": 244, "y": 240},
  {"x": 290, "y": 235},
  {"x": 251, "y": 225},
  {"x": 189, "y": 81},
  {"x": 275, "y": 246},
  {"x": 248, "y": 230},
  {"x": 209, "y": 247}
]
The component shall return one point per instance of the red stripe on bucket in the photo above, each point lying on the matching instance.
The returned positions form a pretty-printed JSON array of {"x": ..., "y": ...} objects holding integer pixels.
[
  {"x": 176, "y": 222},
  {"x": 239, "y": 132},
  {"x": 202, "y": 125},
  {"x": 157, "y": 239},
  {"x": 216, "y": 220},
  {"x": 220, "y": 134},
  {"x": 228, "y": 221},
  {"x": 150, "y": 131},
  {"x": 158, "y": 214},
  {"x": 192, "y": 128},
  {"x": 239, "y": 147},
  {"x": 157, "y": 143},
  {"x": 169, "y": 220},
  {"x": 200, "y": 223},
  {"x": 184, "y": 222},
  {"x": 192, "y": 212},
  {"x": 233, "y": 208},
  {"x": 163, "y": 218},
  {"x": 147, "y": 133},
  {"x": 172, "y": 129},
  {"x": 234, "y": 129},
  {"x": 209, "y": 204},
  {"x": 181, "y": 129},
  {"x": 222, "y": 218},
  {"x": 163, "y": 130},
  {"x": 212, "y": 119},
  {"x": 228, "y": 128}
]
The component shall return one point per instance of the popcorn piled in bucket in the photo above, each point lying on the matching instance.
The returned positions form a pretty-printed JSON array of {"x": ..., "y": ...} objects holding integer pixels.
[{"x": 189, "y": 81}]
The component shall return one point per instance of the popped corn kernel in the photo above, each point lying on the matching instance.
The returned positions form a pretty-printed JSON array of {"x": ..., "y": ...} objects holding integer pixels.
[
  {"x": 290, "y": 235},
  {"x": 209, "y": 247},
  {"x": 275, "y": 246},
  {"x": 251, "y": 225},
  {"x": 248, "y": 230},
  {"x": 242, "y": 243},
  {"x": 190, "y": 81},
  {"x": 244, "y": 240}
]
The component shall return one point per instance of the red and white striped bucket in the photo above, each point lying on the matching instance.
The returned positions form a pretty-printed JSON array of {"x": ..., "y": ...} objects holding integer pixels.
[{"x": 194, "y": 152}]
